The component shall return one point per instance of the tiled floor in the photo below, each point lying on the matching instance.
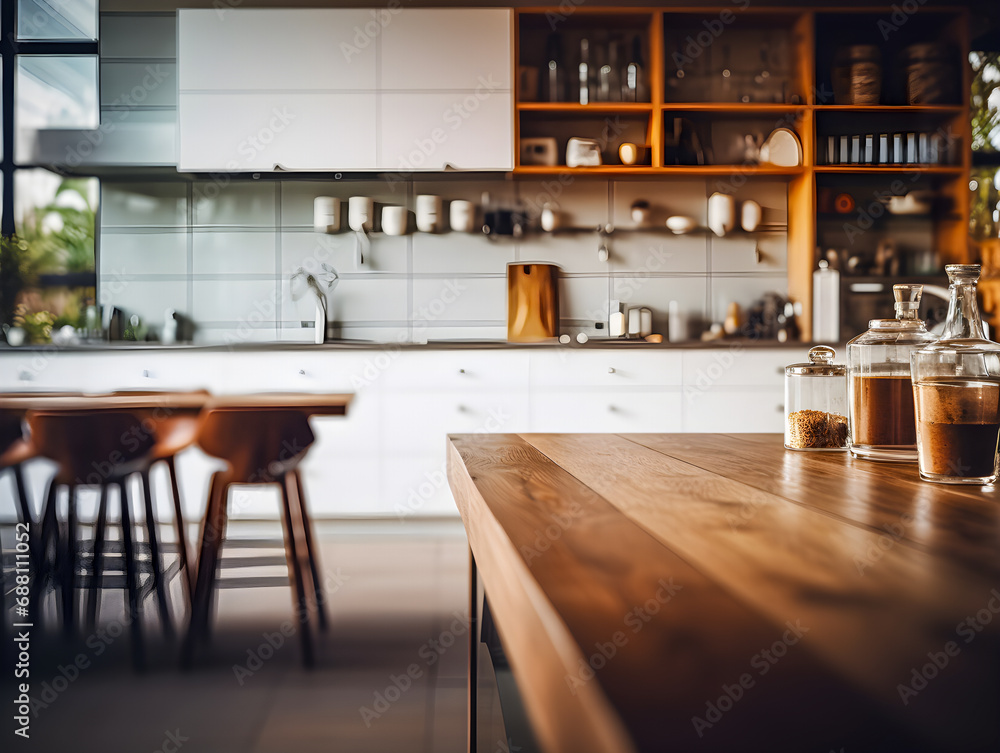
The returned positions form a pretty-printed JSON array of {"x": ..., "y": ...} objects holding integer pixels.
[{"x": 401, "y": 605}]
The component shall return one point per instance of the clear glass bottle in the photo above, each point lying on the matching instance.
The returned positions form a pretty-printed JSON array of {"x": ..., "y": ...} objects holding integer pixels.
[
  {"x": 956, "y": 388},
  {"x": 816, "y": 403},
  {"x": 882, "y": 424}
]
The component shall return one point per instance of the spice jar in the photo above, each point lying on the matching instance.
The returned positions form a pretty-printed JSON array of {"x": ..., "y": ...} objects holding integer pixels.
[
  {"x": 956, "y": 388},
  {"x": 816, "y": 403},
  {"x": 857, "y": 75},
  {"x": 882, "y": 424}
]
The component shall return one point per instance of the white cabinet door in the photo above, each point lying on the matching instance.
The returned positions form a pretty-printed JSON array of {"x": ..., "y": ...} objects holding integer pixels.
[
  {"x": 615, "y": 369},
  {"x": 587, "y": 411},
  {"x": 447, "y": 48},
  {"x": 467, "y": 130},
  {"x": 240, "y": 132},
  {"x": 227, "y": 49},
  {"x": 734, "y": 410}
]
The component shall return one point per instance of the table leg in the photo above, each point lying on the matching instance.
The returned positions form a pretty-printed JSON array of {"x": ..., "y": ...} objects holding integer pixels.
[{"x": 473, "y": 650}]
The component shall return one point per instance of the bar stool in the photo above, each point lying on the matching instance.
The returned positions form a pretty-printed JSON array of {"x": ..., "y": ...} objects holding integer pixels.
[
  {"x": 260, "y": 446},
  {"x": 173, "y": 432},
  {"x": 91, "y": 449},
  {"x": 14, "y": 451}
]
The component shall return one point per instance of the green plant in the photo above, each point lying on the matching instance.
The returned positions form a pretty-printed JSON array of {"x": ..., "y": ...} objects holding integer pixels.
[
  {"x": 13, "y": 254},
  {"x": 37, "y": 325},
  {"x": 60, "y": 238}
]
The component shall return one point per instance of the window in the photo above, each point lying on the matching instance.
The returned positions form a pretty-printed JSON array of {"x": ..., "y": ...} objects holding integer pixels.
[
  {"x": 49, "y": 69},
  {"x": 984, "y": 182}
]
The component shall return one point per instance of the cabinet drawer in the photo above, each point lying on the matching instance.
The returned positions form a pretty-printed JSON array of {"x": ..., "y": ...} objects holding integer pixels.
[
  {"x": 734, "y": 411},
  {"x": 605, "y": 411},
  {"x": 605, "y": 368},
  {"x": 418, "y": 424},
  {"x": 705, "y": 369},
  {"x": 456, "y": 370}
]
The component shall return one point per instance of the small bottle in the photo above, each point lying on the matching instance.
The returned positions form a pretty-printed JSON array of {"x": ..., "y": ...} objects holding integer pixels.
[
  {"x": 816, "y": 403},
  {"x": 633, "y": 85},
  {"x": 881, "y": 393},
  {"x": 584, "y": 72},
  {"x": 555, "y": 69},
  {"x": 826, "y": 303}
]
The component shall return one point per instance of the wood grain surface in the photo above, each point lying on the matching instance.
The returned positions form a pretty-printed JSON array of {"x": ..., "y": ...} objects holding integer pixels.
[{"x": 724, "y": 594}]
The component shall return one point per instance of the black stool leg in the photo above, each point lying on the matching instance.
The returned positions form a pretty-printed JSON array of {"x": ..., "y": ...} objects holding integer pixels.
[
  {"x": 182, "y": 547},
  {"x": 97, "y": 563},
  {"x": 154, "y": 554},
  {"x": 25, "y": 512},
  {"x": 211, "y": 541},
  {"x": 311, "y": 552},
  {"x": 44, "y": 570},
  {"x": 295, "y": 574},
  {"x": 68, "y": 587},
  {"x": 132, "y": 584}
]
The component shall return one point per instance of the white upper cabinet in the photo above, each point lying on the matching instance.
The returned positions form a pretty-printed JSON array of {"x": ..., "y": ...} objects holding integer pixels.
[
  {"x": 345, "y": 89},
  {"x": 447, "y": 48},
  {"x": 288, "y": 50}
]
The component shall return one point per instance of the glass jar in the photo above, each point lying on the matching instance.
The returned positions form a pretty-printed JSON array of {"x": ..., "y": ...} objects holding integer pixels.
[
  {"x": 816, "y": 403},
  {"x": 956, "y": 387},
  {"x": 882, "y": 424}
]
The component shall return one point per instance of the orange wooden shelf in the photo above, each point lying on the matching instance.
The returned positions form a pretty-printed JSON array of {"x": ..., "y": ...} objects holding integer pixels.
[
  {"x": 734, "y": 107},
  {"x": 901, "y": 109},
  {"x": 676, "y": 170},
  {"x": 577, "y": 108},
  {"x": 864, "y": 169}
]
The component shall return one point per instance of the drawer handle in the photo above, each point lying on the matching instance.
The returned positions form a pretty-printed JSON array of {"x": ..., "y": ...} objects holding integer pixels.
[
  {"x": 781, "y": 409},
  {"x": 611, "y": 369},
  {"x": 302, "y": 372},
  {"x": 461, "y": 409},
  {"x": 461, "y": 371},
  {"x": 612, "y": 409}
]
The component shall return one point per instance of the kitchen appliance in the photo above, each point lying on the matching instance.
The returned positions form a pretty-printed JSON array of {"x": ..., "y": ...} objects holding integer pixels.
[
  {"x": 882, "y": 424},
  {"x": 326, "y": 214},
  {"x": 583, "y": 152},
  {"x": 816, "y": 403},
  {"x": 430, "y": 213},
  {"x": 539, "y": 150},
  {"x": 532, "y": 301}
]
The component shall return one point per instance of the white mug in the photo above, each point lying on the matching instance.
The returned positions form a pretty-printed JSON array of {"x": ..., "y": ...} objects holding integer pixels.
[
  {"x": 394, "y": 220},
  {"x": 430, "y": 211},
  {"x": 326, "y": 214},
  {"x": 551, "y": 218},
  {"x": 721, "y": 213},
  {"x": 463, "y": 216},
  {"x": 750, "y": 215},
  {"x": 359, "y": 213}
]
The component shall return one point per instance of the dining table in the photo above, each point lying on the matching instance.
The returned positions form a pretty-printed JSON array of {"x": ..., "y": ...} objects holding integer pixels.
[{"x": 714, "y": 592}]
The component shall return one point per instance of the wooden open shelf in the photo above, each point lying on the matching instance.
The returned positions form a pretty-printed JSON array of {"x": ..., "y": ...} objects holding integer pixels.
[{"x": 811, "y": 37}]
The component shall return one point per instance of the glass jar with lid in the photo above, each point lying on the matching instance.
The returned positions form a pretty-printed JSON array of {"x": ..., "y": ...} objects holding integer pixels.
[
  {"x": 816, "y": 403},
  {"x": 882, "y": 424},
  {"x": 956, "y": 388}
]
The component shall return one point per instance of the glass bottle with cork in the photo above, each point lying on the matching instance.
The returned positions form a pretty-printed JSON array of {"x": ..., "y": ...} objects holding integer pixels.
[
  {"x": 882, "y": 424},
  {"x": 956, "y": 388}
]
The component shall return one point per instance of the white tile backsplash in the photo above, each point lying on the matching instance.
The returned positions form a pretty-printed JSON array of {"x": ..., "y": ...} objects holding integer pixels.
[
  {"x": 148, "y": 253},
  {"x": 217, "y": 252},
  {"x": 421, "y": 286}
]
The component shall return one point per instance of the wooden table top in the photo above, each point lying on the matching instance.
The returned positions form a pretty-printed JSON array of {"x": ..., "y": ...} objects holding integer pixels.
[
  {"x": 708, "y": 592},
  {"x": 311, "y": 403}
]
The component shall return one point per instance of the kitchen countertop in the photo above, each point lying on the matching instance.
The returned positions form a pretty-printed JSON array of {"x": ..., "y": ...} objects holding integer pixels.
[
  {"x": 354, "y": 345},
  {"x": 722, "y": 593}
]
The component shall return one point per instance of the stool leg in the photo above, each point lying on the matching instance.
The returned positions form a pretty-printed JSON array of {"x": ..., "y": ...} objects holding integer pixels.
[
  {"x": 26, "y": 516},
  {"x": 211, "y": 542},
  {"x": 49, "y": 528},
  {"x": 295, "y": 574},
  {"x": 154, "y": 554},
  {"x": 311, "y": 552},
  {"x": 97, "y": 563},
  {"x": 132, "y": 584},
  {"x": 182, "y": 547},
  {"x": 69, "y": 567}
]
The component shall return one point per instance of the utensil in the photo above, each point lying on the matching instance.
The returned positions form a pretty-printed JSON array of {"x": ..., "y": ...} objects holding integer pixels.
[
  {"x": 326, "y": 214},
  {"x": 394, "y": 220},
  {"x": 430, "y": 213},
  {"x": 750, "y": 215},
  {"x": 360, "y": 210},
  {"x": 462, "y": 216},
  {"x": 721, "y": 213},
  {"x": 680, "y": 224}
]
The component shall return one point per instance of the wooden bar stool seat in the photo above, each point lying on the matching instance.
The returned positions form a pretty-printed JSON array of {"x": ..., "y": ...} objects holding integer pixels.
[
  {"x": 101, "y": 448},
  {"x": 260, "y": 446}
]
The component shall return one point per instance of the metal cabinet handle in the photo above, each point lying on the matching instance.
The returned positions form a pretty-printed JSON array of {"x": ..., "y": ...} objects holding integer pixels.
[
  {"x": 302, "y": 372},
  {"x": 611, "y": 369},
  {"x": 461, "y": 371}
]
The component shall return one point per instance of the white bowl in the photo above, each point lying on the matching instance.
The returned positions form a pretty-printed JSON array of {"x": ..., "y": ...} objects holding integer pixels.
[{"x": 680, "y": 224}]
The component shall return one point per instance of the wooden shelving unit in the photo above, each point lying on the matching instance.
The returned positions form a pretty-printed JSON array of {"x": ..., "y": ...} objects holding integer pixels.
[{"x": 811, "y": 35}]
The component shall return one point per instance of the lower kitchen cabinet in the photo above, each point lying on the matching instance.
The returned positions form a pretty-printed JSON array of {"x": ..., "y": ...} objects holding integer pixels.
[{"x": 387, "y": 457}]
